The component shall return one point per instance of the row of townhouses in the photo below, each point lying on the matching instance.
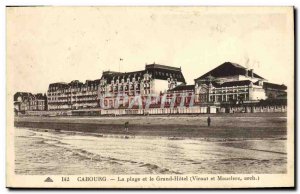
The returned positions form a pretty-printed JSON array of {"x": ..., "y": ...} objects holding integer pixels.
[
  {"x": 25, "y": 101},
  {"x": 156, "y": 85}
]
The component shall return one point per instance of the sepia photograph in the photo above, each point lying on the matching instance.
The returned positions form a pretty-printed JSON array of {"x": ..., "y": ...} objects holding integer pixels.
[{"x": 150, "y": 97}]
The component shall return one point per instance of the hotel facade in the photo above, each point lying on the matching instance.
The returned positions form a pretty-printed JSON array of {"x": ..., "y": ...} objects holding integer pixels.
[
  {"x": 121, "y": 89},
  {"x": 73, "y": 96},
  {"x": 161, "y": 89}
]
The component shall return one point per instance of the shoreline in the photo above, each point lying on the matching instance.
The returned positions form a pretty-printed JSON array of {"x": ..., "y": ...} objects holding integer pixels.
[
  {"x": 227, "y": 127},
  {"x": 256, "y": 114}
]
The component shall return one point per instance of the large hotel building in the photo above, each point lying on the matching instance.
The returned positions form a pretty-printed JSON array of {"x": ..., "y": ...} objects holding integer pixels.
[
  {"x": 149, "y": 83},
  {"x": 228, "y": 84},
  {"x": 73, "y": 95}
]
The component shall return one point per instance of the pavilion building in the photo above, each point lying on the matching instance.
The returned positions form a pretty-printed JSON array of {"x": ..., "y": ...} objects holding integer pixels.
[{"x": 231, "y": 82}]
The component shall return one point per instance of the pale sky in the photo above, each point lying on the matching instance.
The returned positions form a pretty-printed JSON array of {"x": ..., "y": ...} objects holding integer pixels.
[{"x": 61, "y": 44}]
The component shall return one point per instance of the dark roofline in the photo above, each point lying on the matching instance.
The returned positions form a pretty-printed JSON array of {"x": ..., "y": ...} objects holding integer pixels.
[
  {"x": 111, "y": 72},
  {"x": 240, "y": 67},
  {"x": 75, "y": 83},
  {"x": 29, "y": 95},
  {"x": 152, "y": 69},
  {"x": 235, "y": 83},
  {"x": 22, "y": 93},
  {"x": 150, "y": 66},
  {"x": 274, "y": 86},
  {"x": 183, "y": 87},
  {"x": 147, "y": 67}
]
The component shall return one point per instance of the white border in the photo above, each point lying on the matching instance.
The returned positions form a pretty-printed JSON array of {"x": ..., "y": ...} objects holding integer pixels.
[{"x": 5, "y": 3}]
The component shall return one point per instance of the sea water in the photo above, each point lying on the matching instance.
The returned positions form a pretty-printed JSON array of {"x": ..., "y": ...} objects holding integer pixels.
[{"x": 39, "y": 152}]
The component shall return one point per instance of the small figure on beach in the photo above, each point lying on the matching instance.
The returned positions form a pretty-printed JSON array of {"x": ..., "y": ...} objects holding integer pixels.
[
  {"x": 126, "y": 126},
  {"x": 208, "y": 121}
]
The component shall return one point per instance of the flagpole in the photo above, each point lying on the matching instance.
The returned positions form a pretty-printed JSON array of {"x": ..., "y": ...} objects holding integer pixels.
[{"x": 120, "y": 64}]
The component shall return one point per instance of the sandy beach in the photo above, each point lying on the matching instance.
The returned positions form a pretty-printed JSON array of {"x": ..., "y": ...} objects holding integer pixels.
[
  {"x": 234, "y": 143},
  {"x": 248, "y": 126}
]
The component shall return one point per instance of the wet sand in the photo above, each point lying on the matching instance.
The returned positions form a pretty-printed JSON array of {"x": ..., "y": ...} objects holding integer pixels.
[
  {"x": 224, "y": 126},
  {"x": 44, "y": 153}
]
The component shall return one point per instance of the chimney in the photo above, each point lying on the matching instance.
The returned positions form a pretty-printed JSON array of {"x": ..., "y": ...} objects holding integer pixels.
[
  {"x": 251, "y": 73},
  {"x": 246, "y": 72}
]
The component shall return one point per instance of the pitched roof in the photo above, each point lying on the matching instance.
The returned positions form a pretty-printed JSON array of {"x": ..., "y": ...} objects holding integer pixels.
[
  {"x": 113, "y": 76},
  {"x": 29, "y": 96},
  {"x": 92, "y": 82},
  {"x": 228, "y": 69},
  {"x": 236, "y": 83},
  {"x": 60, "y": 85},
  {"x": 183, "y": 87},
  {"x": 75, "y": 84},
  {"x": 158, "y": 66},
  {"x": 274, "y": 86},
  {"x": 22, "y": 94},
  {"x": 157, "y": 71},
  {"x": 40, "y": 96},
  {"x": 162, "y": 73}
]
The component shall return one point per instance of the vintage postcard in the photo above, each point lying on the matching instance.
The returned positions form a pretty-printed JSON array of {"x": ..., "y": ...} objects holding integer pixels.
[{"x": 150, "y": 97}]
